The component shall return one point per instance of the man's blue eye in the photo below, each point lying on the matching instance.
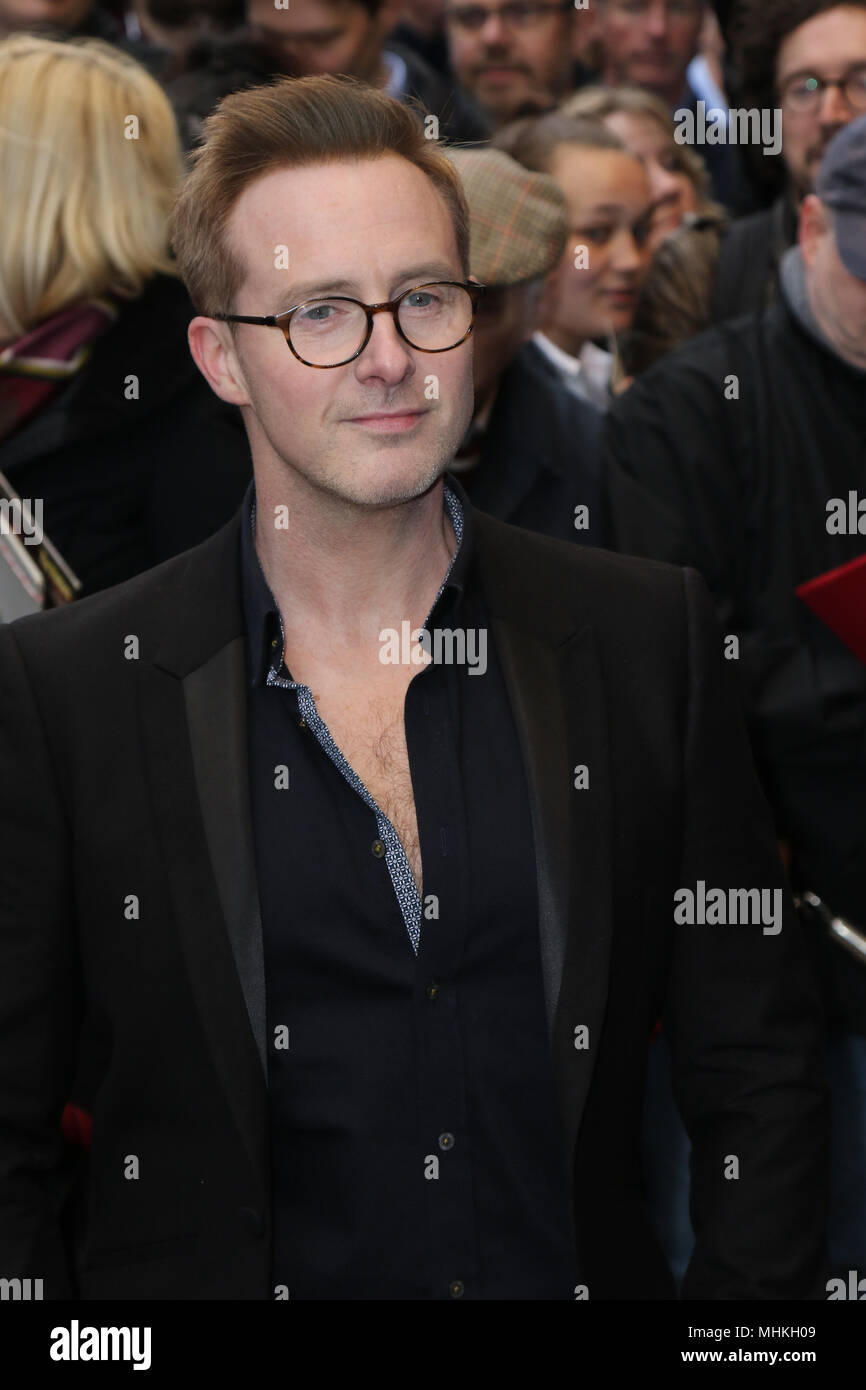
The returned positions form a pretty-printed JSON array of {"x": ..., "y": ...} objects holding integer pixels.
[{"x": 316, "y": 313}]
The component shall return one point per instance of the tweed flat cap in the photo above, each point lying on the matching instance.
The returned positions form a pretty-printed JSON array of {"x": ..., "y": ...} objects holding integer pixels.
[{"x": 519, "y": 223}]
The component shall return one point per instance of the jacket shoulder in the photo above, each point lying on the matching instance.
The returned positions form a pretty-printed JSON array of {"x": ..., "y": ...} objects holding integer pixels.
[
  {"x": 551, "y": 580},
  {"x": 702, "y": 363}
]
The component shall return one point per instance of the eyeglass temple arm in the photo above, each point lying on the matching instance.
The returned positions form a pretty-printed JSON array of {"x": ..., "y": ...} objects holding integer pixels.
[{"x": 269, "y": 319}]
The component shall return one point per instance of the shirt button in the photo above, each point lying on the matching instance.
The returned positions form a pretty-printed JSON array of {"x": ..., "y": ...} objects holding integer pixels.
[
  {"x": 446, "y": 1140},
  {"x": 432, "y": 990},
  {"x": 455, "y": 1288},
  {"x": 378, "y": 848},
  {"x": 302, "y": 723}
]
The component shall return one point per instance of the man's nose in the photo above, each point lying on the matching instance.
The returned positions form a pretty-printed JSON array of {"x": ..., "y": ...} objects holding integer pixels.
[
  {"x": 386, "y": 355},
  {"x": 657, "y": 21},
  {"x": 493, "y": 31}
]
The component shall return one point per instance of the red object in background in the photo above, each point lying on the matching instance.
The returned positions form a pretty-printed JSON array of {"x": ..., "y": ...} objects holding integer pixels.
[
  {"x": 839, "y": 600},
  {"x": 76, "y": 1125}
]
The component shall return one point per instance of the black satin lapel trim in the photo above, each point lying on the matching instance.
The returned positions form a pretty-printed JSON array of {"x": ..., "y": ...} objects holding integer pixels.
[
  {"x": 532, "y": 676},
  {"x": 216, "y": 710},
  {"x": 195, "y": 897},
  {"x": 557, "y": 697}
]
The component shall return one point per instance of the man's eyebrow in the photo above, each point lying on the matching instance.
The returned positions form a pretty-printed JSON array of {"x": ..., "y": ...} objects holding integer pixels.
[{"x": 320, "y": 289}]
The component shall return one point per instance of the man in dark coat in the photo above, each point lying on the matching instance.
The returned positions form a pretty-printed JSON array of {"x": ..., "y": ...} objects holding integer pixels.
[
  {"x": 727, "y": 456},
  {"x": 352, "y": 37},
  {"x": 368, "y": 917},
  {"x": 808, "y": 59}
]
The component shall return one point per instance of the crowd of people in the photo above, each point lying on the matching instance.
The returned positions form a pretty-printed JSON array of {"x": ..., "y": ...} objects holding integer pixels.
[{"x": 669, "y": 350}]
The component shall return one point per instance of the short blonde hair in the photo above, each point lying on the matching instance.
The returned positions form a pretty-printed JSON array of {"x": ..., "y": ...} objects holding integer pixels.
[
  {"x": 291, "y": 123},
  {"x": 85, "y": 208}
]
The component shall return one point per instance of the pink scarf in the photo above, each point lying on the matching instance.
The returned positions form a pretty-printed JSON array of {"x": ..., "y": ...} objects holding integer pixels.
[{"x": 34, "y": 367}]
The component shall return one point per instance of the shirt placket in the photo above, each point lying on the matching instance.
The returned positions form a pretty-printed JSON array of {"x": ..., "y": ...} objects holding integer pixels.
[{"x": 399, "y": 869}]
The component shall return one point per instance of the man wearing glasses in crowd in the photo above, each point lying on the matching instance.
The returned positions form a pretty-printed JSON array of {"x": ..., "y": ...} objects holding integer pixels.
[
  {"x": 808, "y": 58},
  {"x": 367, "y": 903}
]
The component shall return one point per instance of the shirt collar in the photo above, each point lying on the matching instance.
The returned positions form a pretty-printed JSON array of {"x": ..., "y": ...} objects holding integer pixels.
[
  {"x": 558, "y": 356},
  {"x": 588, "y": 375},
  {"x": 262, "y": 621}
]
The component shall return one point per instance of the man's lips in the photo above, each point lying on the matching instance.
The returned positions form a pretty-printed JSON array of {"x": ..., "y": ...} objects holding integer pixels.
[{"x": 389, "y": 422}]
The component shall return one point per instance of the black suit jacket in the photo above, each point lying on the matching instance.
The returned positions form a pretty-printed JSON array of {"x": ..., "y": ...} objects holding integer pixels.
[{"x": 128, "y": 903}]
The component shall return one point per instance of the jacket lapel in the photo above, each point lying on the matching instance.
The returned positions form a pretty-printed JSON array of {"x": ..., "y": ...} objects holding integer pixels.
[
  {"x": 216, "y": 712},
  {"x": 193, "y": 712},
  {"x": 556, "y": 688}
]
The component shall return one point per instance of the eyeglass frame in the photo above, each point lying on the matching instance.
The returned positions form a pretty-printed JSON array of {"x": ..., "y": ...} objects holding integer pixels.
[
  {"x": 391, "y": 306},
  {"x": 823, "y": 84},
  {"x": 541, "y": 8}
]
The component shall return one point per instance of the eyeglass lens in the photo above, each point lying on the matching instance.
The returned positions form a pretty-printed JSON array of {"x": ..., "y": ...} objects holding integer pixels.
[
  {"x": 327, "y": 332},
  {"x": 804, "y": 93}
]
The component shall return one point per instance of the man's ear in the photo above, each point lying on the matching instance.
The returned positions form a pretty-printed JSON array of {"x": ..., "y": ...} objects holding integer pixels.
[
  {"x": 814, "y": 225},
  {"x": 216, "y": 360}
]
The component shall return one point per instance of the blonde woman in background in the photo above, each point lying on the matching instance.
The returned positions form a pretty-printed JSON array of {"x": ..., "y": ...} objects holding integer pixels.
[
  {"x": 103, "y": 413},
  {"x": 591, "y": 297},
  {"x": 678, "y": 176}
]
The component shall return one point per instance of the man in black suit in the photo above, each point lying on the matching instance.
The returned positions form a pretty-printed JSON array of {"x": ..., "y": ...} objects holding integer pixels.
[{"x": 366, "y": 955}]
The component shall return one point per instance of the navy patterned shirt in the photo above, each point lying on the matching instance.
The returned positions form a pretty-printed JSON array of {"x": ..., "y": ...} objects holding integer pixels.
[{"x": 416, "y": 1149}]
